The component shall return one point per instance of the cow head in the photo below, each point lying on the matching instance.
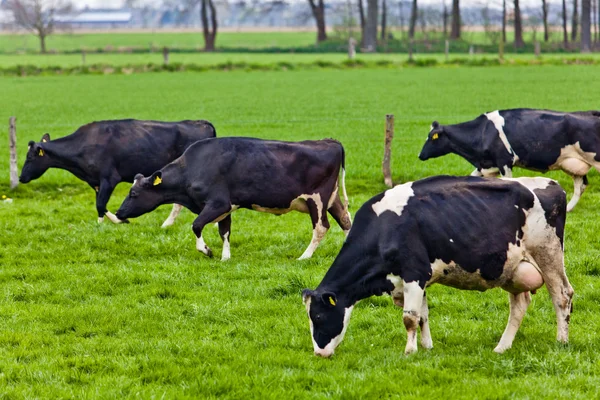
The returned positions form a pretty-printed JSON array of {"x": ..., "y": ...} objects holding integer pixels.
[
  {"x": 437, "y": 143},
  {"x": 37, "y": 161},
  {"x": 145, "y": 195},
  {"x": 328, "y": 317}
]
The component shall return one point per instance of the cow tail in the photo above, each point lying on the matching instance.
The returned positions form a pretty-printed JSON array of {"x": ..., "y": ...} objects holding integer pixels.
[{"x": 344, "y": 178}]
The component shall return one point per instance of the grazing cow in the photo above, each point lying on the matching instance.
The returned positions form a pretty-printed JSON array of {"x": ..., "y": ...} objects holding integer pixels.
[
  {"x": 539, "y": 140},
  {"x": 466, "y": 232},
  {"x": 104, "y": 153},
  {"x": 215, "y": 177}
]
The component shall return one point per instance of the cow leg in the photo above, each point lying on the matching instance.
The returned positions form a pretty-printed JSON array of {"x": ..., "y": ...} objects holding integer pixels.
[
  {"x": 174, "y": 213},
  {"x": 561, "y": 293},
  {"x": 518, "y": 308},
  {"x": 341, "y": 215},
  {"x": 476, "y": 172},
  {"x": 107, "y": 186},
  {"x": 211, "y": 212},
  {"x": 320, "y": 225},
  {"x": 413, "y": 303},
  {"x": 426, "y": 341},
  {"x": 224, "y": 232},
  {"x": 579, "y": 183}
]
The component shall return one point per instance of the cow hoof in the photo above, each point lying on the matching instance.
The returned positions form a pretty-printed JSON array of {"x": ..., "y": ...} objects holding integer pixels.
[
  {"x": 100, "y": 220},
  {"x": 410, "y": 350},
  {"x": 500, "y": 349},
  {"x": 427, "y": 344},
  {"x": 209, "y": 253}
]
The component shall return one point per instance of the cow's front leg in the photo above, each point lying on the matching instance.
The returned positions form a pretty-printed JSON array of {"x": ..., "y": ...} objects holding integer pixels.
[
  {"x": 476, "y": 172},
  {"x": 413, "y": 302},
  {"x": 225, "y": 232},
  {"x": 103, "y": 193},
  {"x": 211, "y": 212},
  {"x": 518, "y": 308},
  {"x": 318, "y": 216}
]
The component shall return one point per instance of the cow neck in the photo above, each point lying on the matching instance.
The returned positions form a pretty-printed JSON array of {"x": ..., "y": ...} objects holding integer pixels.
[
  {"x": 466, "y": 139},
  {"x": 65, "y": 154},
  {"x": 354, "y": 278},
  {"x": 174, "y": 189}
]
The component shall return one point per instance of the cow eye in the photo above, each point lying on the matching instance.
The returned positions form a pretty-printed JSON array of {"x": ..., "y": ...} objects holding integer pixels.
[
  {"x": 133, "y": 194},
  {"x": 318, "y": 317}
]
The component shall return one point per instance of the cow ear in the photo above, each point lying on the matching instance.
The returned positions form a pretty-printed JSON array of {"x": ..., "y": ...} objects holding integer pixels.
[
  {"x": 30, "y": 144},
  {"x": 435, "y": 125},
  {"x": 46, "y": 138},
  {"x": 306, "y": 293},
  {"x": 156, "y": 178},
  {"x": 329, "y": 298}
]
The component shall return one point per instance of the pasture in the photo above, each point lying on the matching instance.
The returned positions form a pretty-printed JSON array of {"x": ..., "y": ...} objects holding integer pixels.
[{"x": 91, "y": 310}]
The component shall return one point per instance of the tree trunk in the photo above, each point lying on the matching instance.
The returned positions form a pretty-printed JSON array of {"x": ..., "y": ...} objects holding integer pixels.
[
  {"x": 586, "y": 31},
  {"x": 318, "y": 11},
  {"x": 545, "y": 19},
  {"x": 209, "y": 32},
  {"x": 413, "y": 20},
  {"x": 42, "y": 37},
  {"x": 565, "y": 35},
  {"x": 574, "y": 22},
  {"x": 455, "y": 29},
  {"x": 595, "y": 20},
  {"x": 383, "y": 19},
  {"x": 518, "y": 27},
  {"x": 445, "y": 17},
  {"x": 361, "y": 15},
  {"x": 504, "y": 21},
  {"x": 371, "y": 26}
]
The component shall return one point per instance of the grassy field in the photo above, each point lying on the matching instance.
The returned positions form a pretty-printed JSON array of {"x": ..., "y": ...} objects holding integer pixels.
[
  {"x": 110, "y": 311},
  {"x": 72, "y": 60}
]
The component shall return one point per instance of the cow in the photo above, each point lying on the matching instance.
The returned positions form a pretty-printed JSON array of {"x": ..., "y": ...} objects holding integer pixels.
[
  {"x": 215, "y": 177},
  {"x": 538, "y": 140},
  {"x": 470, "y": 233},
  {"x": 105, "y": 153}
]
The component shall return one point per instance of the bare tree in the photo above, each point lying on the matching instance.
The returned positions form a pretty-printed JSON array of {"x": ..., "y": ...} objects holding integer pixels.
[
  {"x": 455, "y": 29},
  {"x": 209, "y": 32},
  {"x": 413, "y": 19},
  {"x": 503, "y": 21},
  {"x": 370, "y": 39},
  {"x": 595, "y": 20},
  {"x": 383, "y": 20},
  {"x": 574, "y": 22},
  {"x": 38, "y": 16},
  {"x": 564, "y": 23},
  {"x": 361, "y": 16},
  {"x": 445, "y": 19},
  {"x": 518, "y": 26},
  {"x": 318, "y": 11},
  {"x": 545, "y": 19},
  {"x": 586, "y": 31}
]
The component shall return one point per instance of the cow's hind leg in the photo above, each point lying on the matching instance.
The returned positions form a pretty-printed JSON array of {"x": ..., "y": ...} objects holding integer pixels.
[
  {"x": 561, "y": 293},
  {"x": 211, "y": 212},
  {"x": 413, "y": 302},
  {"x": 172, "y": 216},
  {"x": 579, "y": 183},
  {"x": 426, "y": 341},
  {"x": 341, "y": 215},
  {"x": 225, "y": 232},
  {"x": 316, "y": 209},
  {"x": 518, "y": 308}
]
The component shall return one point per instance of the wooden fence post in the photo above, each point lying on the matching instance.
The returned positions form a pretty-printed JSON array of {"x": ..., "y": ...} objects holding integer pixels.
[
  {"x": 166, "y": 55},
  {"x": 538, "y": 49},
  {"x": 14, "y": 173},
  {"x": 501, "y": 50},
  {"x": 447, "y": 49},
  {"x": 82, "y": 56},
  {"x": 387, "y": 154},
  {"x": 410, "y": 50}
]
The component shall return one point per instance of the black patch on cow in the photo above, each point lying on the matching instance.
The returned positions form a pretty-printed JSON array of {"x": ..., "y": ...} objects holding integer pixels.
[{"x": 554, "y": 202}]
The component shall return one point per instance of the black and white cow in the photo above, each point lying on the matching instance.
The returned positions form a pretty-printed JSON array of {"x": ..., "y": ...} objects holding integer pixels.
[
  {"x": 466, "y": 232},
  {"x": 215, "y": 177},
  {"x": 104, "y": 153},
  {"x": 539, "y": 140}
]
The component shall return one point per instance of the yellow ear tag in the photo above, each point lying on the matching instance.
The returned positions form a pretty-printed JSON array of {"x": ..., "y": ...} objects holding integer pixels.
[
  {"x": 435, "y": 136},
  {"x": 332, "y": 301},
  {"x": 157, "y": 181},
  {"x": 41, "y": 152}
]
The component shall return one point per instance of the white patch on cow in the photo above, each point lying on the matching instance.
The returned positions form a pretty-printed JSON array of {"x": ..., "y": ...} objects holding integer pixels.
[
  {"x": 202, "y": 247},
  {"x": 226, "y": 255},
  {"x": 507, "y": 171},
  {"x": 532, "y": 183},
  {"x": 113, "y": 218},
  {"x": 498, "y": 122},
  {"x": 413, "y": 302},
  {"x": 476, "y": 172},
  {"x": 172, "y": 216},
  {"x": 451, "y": 241},
  {"x": 490, "y": 172},
  {"x": 572, "y": 160},
  {"x": 394, "y": 199},
  {"x": 395, "y": 279},
  {"x": 331, "y": 346}
]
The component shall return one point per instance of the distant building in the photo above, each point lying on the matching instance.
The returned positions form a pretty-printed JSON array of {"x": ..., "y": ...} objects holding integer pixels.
[{"x": 96, "y": 18}]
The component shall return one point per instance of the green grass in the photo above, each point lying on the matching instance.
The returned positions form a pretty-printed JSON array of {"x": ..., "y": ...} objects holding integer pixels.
[{"x": 108, "y": 311}]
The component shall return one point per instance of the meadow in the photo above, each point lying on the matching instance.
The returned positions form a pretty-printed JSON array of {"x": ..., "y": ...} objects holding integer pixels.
[{"x": 93, "y": 310}]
